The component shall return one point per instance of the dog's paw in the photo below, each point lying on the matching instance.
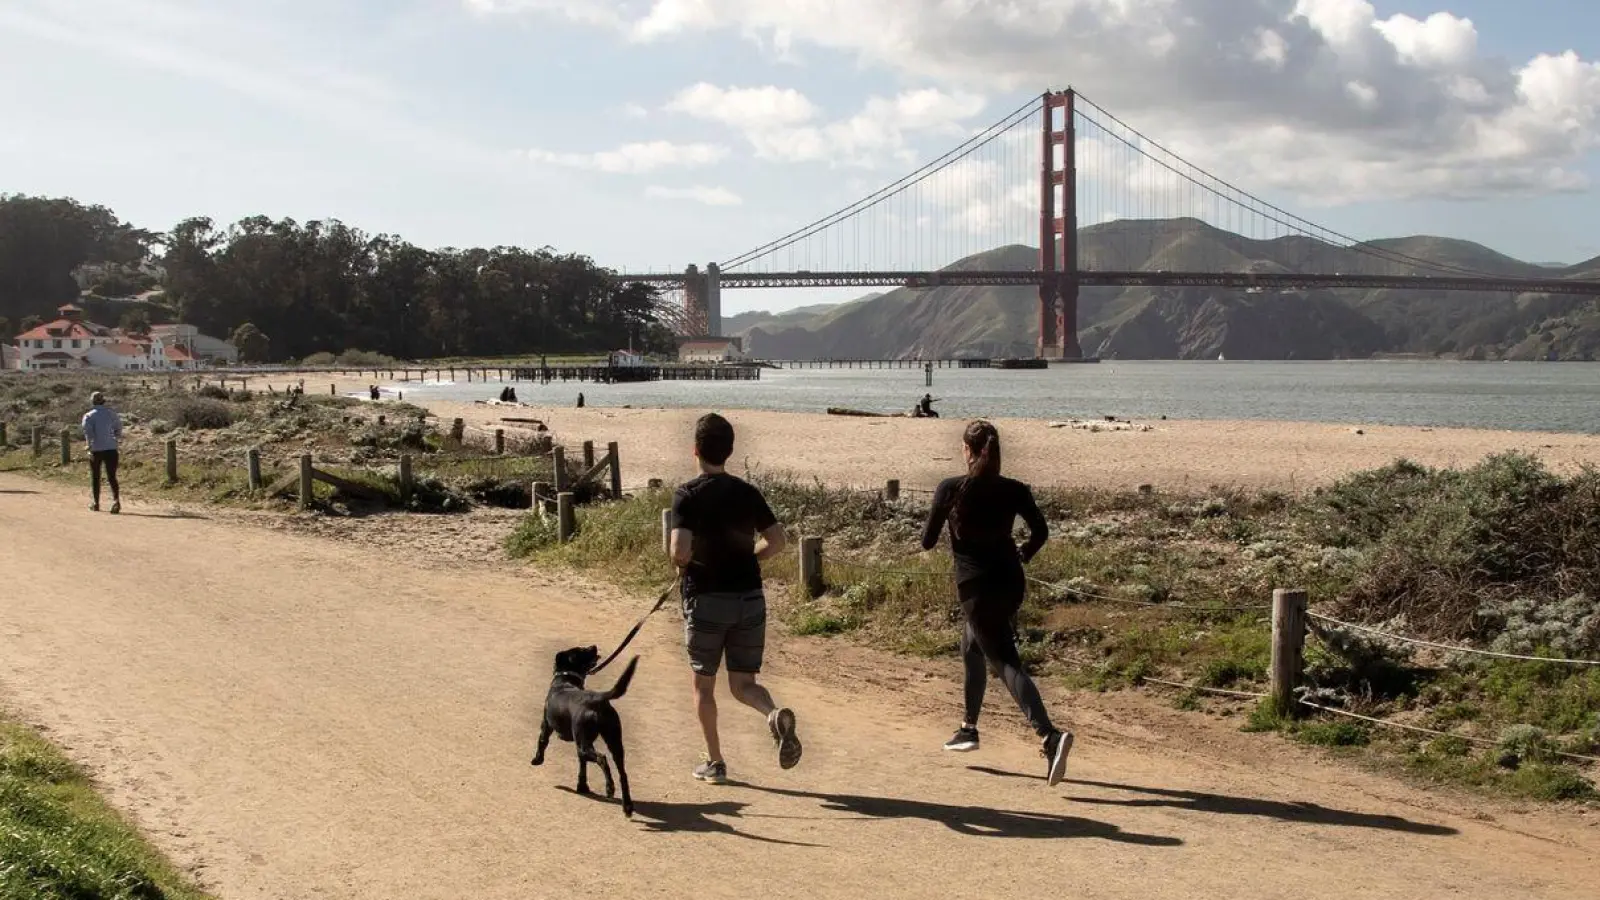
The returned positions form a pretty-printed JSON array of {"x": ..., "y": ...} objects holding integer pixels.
[
  {"x": 537, "y": 761},
  {"x": 627, "y": 808}
]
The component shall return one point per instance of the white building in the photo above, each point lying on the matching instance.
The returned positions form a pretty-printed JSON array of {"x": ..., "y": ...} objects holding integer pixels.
[
  {"x": 626, "y": 358},
  {"x": 62, "y": 344},
  {"x": 201, "y": 349},
  {"x": 711, "y": 350},
  {"x": 10, "y": 358},
  {"x": 127, "y": 355}
]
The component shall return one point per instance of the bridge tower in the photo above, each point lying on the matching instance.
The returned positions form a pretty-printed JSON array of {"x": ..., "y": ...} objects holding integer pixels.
[
  {"x": 713, "y": 300},
  {"x": 1058, "y": 234},
  {"x": 695, "y": 320}
]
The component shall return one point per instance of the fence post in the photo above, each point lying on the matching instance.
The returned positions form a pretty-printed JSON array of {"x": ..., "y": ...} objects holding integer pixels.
[
  {"x": 382, "y": 421},
  {"x": 1288, "y": 646},
  {"x": 541, "y": 497},
  {"x": 666, "y": 531},
  {"x": 559, "y": 477},
  {"x": 252, "y": 464},
  {"x": 615, "y": 456},
  {"x": 333, "y": 390},
  {"x": 566, "y": 519},
  {"x": 499, "y": 442},
  {"x": 588, "y": 455},
  {"x": 66, "y": 446},
  {"x": 458, "y": 430},
  {"x": 891, "y": 490},
  {"x": 811, "y": 566},
  {"x": 172, "y": 462},
  {"x": 305, "y": 481},
  {"x": 38, "y": 440},
  {"x": 5, "y": 440},
  {"x": 406, "y": 484}
]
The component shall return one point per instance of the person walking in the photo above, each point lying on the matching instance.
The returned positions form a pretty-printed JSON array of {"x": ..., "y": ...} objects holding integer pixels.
[
  {"x": 102, "y": 428},
  {"x": 981, "y": 508},
  {"x": 722, "y": 530}
]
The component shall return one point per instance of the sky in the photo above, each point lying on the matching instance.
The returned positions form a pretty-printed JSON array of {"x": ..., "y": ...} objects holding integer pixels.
[{"x": 649, "y": 134}]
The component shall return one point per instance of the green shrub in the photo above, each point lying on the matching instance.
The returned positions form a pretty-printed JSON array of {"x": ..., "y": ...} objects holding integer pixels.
[{"x": 200, "y": 413}]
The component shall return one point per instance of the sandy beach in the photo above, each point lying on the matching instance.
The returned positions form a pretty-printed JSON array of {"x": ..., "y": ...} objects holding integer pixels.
[{"x": 1174, "y": 455}]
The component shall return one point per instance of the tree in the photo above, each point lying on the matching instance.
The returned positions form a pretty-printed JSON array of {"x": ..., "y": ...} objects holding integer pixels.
[
  {"x": 6, "y": 333},
  {"x": 135, "y": 321},
  {"x": 29, "y": 323},
  {"x": 252, "y": 345}
]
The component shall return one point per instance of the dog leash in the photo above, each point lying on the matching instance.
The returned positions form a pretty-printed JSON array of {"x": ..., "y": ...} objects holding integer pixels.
[{"x": 634, "y": 631}]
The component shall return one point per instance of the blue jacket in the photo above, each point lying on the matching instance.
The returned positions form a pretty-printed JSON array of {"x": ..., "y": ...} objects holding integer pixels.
[{"x": 102, "y": 428}]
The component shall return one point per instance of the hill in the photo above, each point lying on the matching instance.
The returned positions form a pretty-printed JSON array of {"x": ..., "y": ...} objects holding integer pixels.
[{"x": 1200, "y": 323}]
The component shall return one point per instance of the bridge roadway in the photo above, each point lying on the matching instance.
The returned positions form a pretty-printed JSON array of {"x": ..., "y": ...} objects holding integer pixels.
[{"x": 1275, "y": 281}]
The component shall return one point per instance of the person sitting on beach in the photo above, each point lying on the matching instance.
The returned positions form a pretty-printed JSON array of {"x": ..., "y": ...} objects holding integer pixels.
[
  {"x": 924, "y": 408},
  {"x": 511, "y": 395},
  {"x": 722, "y": 530},
  {"x": 580, "y": 399},
  {"x": 374, "y": 393},
  {"x": 981, "y": 508}
]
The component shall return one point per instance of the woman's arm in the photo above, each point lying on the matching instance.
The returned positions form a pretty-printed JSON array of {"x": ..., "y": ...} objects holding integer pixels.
[
  {"x": 937, "y": 516},
  {"x": 1038, "y": 528}
]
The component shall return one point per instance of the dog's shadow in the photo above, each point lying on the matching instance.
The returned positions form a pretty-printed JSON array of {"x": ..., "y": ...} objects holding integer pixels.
[{"x": 690, "y": 818}]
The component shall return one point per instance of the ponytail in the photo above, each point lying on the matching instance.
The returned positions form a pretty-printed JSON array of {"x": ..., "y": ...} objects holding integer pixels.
[{"x": 983, "y": 440}]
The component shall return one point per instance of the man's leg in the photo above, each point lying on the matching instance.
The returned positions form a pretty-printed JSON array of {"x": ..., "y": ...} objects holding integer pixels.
[
  {"x": 112, "y": 459},
  {"x": 747, "y": 643},
  {"x": 705, "y": 642},
  {"x": 95, "y": 462},
  {"x": 705, "y": 707}
]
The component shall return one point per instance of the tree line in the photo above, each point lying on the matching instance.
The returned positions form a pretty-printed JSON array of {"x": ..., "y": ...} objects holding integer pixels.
[{"x": 311, "y": 287}]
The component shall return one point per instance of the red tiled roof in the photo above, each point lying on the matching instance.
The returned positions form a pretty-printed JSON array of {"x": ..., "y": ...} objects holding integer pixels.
[
  {"x": 124, "y": 348},
  {"x": 179, "y": 353},
  {"x": 59, "y": 329}
]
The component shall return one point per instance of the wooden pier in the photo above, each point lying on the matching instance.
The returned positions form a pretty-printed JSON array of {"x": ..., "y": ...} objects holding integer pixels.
[{"x": 599, "y": 374}]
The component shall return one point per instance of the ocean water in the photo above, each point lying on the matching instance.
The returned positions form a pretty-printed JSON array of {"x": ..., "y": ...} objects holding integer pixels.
[{"x": 1562, "y": 397}]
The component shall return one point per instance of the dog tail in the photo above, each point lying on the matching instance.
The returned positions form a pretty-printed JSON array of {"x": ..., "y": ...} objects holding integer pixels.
[{"x": 621, "y": 687}]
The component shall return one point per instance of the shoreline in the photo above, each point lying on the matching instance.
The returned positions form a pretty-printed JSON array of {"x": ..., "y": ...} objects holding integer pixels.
[{"x": 1189, "y": 455}]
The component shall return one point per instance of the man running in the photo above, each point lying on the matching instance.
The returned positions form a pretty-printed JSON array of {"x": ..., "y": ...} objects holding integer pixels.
[
  {"x": 722, "y": 529},
  {"x": 102, "y": 428}
]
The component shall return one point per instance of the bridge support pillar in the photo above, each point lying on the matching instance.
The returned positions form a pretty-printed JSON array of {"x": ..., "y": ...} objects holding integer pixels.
[
  {"x": 713, "y": 300},
  {"x": 1058, "y": 234},
  {"x": 695, "y": 303}
]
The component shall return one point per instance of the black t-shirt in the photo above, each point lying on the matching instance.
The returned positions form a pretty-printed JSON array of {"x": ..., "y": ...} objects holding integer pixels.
[
  {"x": 725, "y": 514},
  {"x": 981, "y": 540}
]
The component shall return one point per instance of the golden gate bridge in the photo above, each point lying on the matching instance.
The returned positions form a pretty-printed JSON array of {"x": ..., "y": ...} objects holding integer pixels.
[{"x": 1032, "y": 178}]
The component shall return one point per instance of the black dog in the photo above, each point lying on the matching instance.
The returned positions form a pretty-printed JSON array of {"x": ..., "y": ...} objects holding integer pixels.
[{"x": 580, "y": 716}]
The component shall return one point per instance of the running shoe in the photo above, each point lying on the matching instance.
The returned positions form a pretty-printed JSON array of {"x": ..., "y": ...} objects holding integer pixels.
[
  {"x": 964, "y": 741},
  {"x": 116, "y": 507},
  {"x": 712, "y": 772},
  {"x": 782, "y": 723},
  {"x": 1056, "y": 747}
]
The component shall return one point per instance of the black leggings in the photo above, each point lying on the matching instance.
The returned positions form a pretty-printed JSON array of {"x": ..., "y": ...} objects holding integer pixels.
[
  {"x": 107, "y": 459},
  {"x": 990, "y": 637}
]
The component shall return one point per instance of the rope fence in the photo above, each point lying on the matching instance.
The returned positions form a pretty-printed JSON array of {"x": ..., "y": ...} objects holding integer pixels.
[{"x": 1451, "y": 648}]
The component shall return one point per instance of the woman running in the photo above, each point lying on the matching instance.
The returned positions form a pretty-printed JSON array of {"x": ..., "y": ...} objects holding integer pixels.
[{"x": 982, "y": 508}]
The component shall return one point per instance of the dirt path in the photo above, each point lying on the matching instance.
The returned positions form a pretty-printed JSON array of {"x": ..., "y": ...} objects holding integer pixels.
[{"x": 295, "y": 717}]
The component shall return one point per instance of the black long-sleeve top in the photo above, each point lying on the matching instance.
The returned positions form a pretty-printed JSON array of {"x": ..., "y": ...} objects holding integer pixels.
[{"x": 990, "y": 507}]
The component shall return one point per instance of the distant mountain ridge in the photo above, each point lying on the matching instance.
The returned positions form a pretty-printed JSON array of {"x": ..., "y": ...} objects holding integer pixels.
[{"x": 1202, "y": 323}]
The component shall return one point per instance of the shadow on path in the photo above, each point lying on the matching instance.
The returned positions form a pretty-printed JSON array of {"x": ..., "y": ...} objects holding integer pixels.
[
  {"x": 975, "y": 821},
  {"x": 690, "y": 818},
  {"x": 11, "y": 491},
  {"x": 175, "y": 514},
  {"x": 1222, "y": 804}
]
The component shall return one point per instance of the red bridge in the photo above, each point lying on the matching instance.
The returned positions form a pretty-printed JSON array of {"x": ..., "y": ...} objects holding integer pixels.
[{"x": 1028, "y": 178}]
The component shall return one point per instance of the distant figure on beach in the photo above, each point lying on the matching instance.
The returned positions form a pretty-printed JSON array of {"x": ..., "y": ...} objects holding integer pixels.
[
  {"x": 924, "y": 408},
  {"x": 981, "y": 508},
  {"x": 102, "y": 428},
  {"x": 374, "y": 392},
  {"x": 722, "y": 530},
  {"x": 580, "y": 399}
]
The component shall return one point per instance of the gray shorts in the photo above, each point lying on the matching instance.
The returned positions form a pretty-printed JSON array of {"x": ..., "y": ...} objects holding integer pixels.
[{"x": 734, "y": 625}]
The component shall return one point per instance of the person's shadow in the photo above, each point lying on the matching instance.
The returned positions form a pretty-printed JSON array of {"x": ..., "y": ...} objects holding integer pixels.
[
  {"x": 1222, "y": 804},
  {"x": 693, "y": 818},
  {"x": 975, "y": 821}
]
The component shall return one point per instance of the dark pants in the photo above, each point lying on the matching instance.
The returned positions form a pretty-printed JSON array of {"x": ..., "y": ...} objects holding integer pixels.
[
  {"x": 108, "y": 460},
  {"x": 990, "y": 637}
]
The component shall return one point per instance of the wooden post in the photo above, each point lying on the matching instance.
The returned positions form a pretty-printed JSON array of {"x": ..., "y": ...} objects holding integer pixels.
[
  {"x": 66, "y": 446},
  {"x": 38, "y": 440},
  {"x": 172, "y": 462},
  {"x": 588, "y": 455},
  {"x": 333, "y": 390},
  {"x": 616, "y": 468},
  {"x": 499, "y": 442},
  {"x": 382, "y": 421},
  {"x": 566, "y": 519},
  {"x": 891, "y": 490},
  {"x": 541, "y": 497},
  {"x": 406, "y": 484},
  {"x": 929, "y": 373},
  {"x": 811, "y": 566},
  {"x": 5, "y": 440},
  {"x": 559, "y": 455},
  {"x": 458, "y": 430},
  {"x": 305, "y": 481},
  {"x": 1288, "y": 646},
  {"x": 252, "y": 464},
  {"x": 666, "y": 531}
]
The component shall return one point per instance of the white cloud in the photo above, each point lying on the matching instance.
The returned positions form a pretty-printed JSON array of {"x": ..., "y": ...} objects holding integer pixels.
[
  {"x": 1375, "y": 107},
  {"x": 708, "y": 196},
  {"x": 781, "y": 123},
  {"x": 635, "y": 111},
  {"x": 636, "y": 158}
]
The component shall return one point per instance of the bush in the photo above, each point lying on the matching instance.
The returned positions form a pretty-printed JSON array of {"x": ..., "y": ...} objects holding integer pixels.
[
  {"x": 211, "y": 392},
  {"x": 319, "y": 359},
  {"x": 200, "y": 414}
]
